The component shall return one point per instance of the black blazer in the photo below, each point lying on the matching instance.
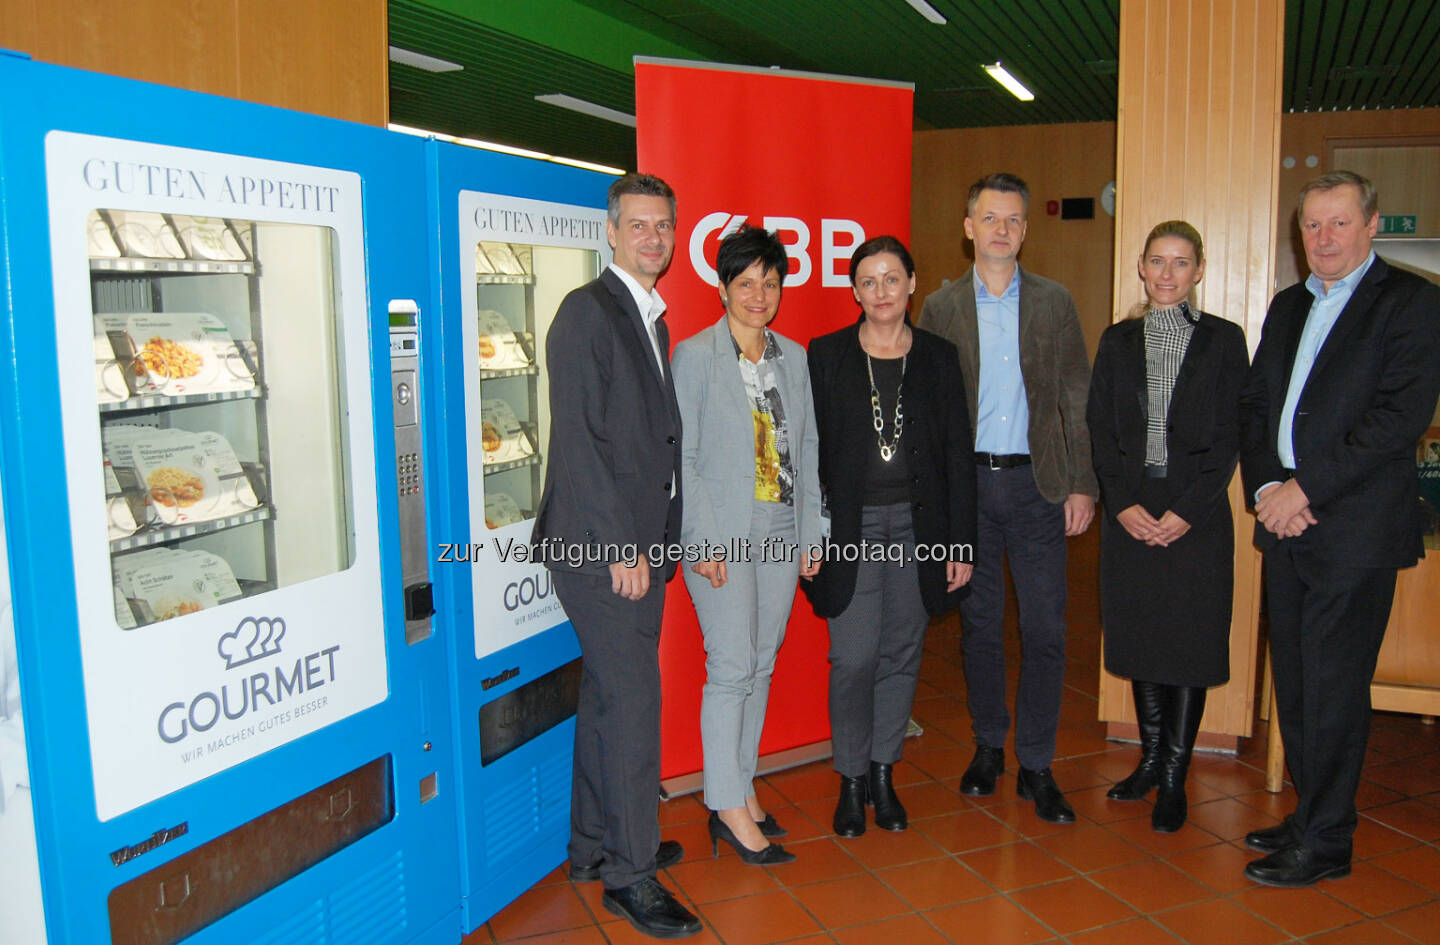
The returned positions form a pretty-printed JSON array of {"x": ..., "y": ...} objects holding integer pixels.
[
  {"x": 1369, "y": 398},
  {"x": 614, "y": 434},
  {"x": 938, "y": 444},
  {"x": 1203, "y": 426}
]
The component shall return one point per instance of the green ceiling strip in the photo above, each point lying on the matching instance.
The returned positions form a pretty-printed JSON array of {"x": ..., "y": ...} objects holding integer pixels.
[{"x": 574, "y": 28}]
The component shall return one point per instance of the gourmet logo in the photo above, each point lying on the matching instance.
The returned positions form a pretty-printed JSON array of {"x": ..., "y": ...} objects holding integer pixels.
[{"x": 242, "y": 694}]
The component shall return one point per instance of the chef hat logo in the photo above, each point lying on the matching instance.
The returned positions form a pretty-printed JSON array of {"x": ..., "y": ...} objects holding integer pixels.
[{"x": 252, "y": 639}]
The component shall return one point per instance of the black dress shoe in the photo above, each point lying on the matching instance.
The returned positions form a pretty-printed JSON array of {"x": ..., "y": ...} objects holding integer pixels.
[
  {"x": 889, "y": 812},
  {"x": 1296, "y": 866},
  {"x": 771, "y": 828},
  {"x": 1050, "y": 804},
  {"x": 850, "y": 809},
  {"x": 987, "y": 765},
  {"x": 667, "y": 854},
  {"x": 1271, "y": 839},
  {"x": 651, "y": 909}
]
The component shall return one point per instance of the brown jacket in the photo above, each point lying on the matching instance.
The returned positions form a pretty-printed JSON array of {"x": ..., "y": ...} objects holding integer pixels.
[{"x": 1053, "y": 365}]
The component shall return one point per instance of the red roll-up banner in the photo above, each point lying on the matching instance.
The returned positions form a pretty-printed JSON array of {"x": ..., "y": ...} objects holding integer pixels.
[{"x": 825, "y": 162}]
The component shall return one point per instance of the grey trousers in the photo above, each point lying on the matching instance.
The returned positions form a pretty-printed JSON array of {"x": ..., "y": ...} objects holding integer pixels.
[
  {"x": 743, "y": 623},
  {"x": 875, "y": 649}
]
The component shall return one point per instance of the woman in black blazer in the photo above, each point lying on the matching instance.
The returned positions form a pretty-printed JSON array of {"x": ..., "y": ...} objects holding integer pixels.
[
  {"x": 897, "y": 472},
  {"x": 1164, "y": 426}
]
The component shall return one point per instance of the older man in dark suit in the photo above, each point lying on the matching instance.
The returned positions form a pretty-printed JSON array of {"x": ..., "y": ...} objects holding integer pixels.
[
  {"x": 612, "y": 491},
  {"x": 1342, "y": 386}
]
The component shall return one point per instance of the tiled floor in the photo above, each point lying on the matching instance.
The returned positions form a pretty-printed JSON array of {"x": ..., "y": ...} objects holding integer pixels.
[{"x": 988, "y": 871}]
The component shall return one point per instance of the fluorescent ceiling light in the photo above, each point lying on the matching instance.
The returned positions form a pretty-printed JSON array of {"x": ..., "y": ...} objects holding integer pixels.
[
  {"x": 422, "y": 61},
  {"x": 505, "y": 149},
  {"x": 587, "y": 108},
  {"x": 927, "y": 11},
  {"x": 1012, "y": 84}
]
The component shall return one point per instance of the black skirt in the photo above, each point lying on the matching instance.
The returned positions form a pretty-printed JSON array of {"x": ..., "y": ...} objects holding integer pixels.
[{"x": 1166, "y": 611}]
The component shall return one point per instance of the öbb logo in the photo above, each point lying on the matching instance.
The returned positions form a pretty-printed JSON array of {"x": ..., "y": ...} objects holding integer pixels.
[{"x": 795, "y": 234}]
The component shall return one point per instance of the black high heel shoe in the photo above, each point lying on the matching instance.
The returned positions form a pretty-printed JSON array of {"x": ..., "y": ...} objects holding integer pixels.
[
  {"x": 772, "y": 855},
  {"x": 770, "y": 827}
]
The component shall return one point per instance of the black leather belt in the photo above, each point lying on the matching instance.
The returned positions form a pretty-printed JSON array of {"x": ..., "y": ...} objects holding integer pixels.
[
  {"x": 1156, "y": 472},
  {"x": 1002, "y": 460}
]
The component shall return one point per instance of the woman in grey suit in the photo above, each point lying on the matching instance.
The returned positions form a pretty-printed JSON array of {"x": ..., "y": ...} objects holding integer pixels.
[{"x": 748, "y": 466}]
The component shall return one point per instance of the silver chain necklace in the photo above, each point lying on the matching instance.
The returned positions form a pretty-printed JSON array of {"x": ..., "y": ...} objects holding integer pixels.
[{"x": 887, "y": 450}]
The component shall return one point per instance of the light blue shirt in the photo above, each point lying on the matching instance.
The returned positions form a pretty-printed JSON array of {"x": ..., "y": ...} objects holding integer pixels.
[
  {"x": 1002, "y": 418},
  {"x": 1323, "y": 313}
]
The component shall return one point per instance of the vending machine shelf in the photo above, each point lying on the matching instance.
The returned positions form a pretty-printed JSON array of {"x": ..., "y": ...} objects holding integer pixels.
[
  {"x": 162, "y": 401},
  {"x": 501, "y": 278},
  {"x": 531, "y": 460},
  {"x": 155, "y": 535},
  {"x": 172, "y": 266},
  {"x": 491, "y": 374}
]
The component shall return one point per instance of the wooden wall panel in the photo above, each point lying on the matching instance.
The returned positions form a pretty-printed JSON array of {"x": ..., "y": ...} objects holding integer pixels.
[
  {"x": 334, "y": 53},
  {"x": 327, "y": 57},
  {"x": 1198, "y": 137},
  {"x": 1057, "y": 161}
]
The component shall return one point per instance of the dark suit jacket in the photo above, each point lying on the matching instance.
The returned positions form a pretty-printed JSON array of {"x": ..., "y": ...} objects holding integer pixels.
[
  {"x": 1369, "y": 398},
  {"x": 1053, "y": 364},
  {"x": 614, "y": 433},
  {"x": 1203, "y": 431},
  {"x": 938, "y": 444}
]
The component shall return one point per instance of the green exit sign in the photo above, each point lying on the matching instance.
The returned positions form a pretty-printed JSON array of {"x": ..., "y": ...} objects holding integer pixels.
[{"x": 1397, "y": 224}]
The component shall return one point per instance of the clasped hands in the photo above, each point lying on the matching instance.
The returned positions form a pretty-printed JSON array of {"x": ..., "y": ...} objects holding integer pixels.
[
  {"x": 1284, "y": 509},
  {"x": 1142, "y": 526}
]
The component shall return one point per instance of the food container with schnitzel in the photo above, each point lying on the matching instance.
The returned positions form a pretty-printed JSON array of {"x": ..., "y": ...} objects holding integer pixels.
[{"x": 502, "y": 437}]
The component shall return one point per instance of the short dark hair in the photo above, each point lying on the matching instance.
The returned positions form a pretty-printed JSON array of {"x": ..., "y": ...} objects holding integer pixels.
[
  {"x": 874, "y": 247},
  {"x": 1369, "y": 198},
  {"x": 747, "y": 246},
  {"x": 643, "y": 185},
  {"x": 1005, "y": 183}
]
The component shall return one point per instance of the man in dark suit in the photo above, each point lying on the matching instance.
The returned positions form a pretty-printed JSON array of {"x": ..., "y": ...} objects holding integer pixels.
[
  {"x": 612, "y": 491},
  {"x": 1027, "y": 379},
  {"x": 1343, "y": 385}
]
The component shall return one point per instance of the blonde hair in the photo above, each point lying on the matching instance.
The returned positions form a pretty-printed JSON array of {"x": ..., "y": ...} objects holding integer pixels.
[{"x": 1176, "y": 228}]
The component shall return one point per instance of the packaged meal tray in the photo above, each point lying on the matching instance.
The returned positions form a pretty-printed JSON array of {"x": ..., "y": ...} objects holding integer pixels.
[
  {"x": 501, "y": 510},
  {"x": 208, "y": 238},
  {"x": 100, "y": 242},
  {"x": 146, "y": 234},
  {"x": 172, "y": 583},
  {"x": 500, "y": 345},
  {"x": 181, "y": 353},
  {"x": 502, "y": 437},
  {"x": 498, "y": 258}
]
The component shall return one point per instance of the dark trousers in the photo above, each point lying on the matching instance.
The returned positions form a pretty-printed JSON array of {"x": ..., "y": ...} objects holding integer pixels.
[
  {"x": 875, "y": 648},
  {"x": 614, "y": 803},
  {"x": 1326, "y": 624},
  {"x": 1015, "y": 519}
]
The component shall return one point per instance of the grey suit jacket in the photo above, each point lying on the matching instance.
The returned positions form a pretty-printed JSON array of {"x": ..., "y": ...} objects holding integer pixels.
[
  {"x": 614, "y": 434},
  {"x": 718, "y": 460},
  {"x": 1053, "y": 365}
]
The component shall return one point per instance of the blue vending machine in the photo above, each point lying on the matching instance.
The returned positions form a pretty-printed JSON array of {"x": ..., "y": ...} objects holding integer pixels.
[
  {"x": 235, "y": 726},
  {"x": 515, "y": 236}
]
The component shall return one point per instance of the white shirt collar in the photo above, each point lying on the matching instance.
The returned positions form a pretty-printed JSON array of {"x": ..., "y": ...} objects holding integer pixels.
[{"x": 650, "y": 305}]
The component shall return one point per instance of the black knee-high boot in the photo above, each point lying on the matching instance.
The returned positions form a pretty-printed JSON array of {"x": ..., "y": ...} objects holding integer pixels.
[
  {"x": 1146, "y": 775},
  {"x": 1180, "y": 723}
]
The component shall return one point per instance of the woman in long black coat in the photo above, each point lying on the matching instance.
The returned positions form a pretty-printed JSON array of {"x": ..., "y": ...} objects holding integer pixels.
[{"x": 1163, "y": 417}]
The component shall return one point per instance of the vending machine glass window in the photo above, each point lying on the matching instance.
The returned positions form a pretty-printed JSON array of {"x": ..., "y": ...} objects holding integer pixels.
[
  {"x": 520, "y": 258},
  {"x": 200, "y": 326},
  {"x": 211, "y": 320},
  {"x": 514, "y": 282}
]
